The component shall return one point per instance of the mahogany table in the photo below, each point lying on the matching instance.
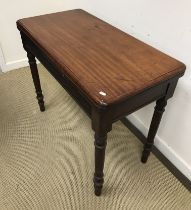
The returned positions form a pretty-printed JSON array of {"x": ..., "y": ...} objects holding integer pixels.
[{"x": 108, "y": 72}]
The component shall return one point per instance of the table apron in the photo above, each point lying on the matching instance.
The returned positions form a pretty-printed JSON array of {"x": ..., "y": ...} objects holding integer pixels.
[{"x": 134, "y": 103}]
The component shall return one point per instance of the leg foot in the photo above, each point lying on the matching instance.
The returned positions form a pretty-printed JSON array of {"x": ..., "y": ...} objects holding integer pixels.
[
  {"x": 36, "y": 80},
  {"x": 100, "y": 146},
  {"x": 98, "y": 184},
  {"x": 159, "y": 109},
  {"x": 40, "y": 99}
]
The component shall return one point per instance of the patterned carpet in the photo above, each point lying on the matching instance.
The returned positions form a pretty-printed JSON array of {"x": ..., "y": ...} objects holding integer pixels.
[{"x": 47, "y": 159}]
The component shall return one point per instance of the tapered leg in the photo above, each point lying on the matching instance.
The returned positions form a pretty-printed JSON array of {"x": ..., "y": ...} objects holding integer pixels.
[
  {"x": 159, "y": 109},
  {"x": 36, "y": 80},
  {"x": 100, "y": 146}
]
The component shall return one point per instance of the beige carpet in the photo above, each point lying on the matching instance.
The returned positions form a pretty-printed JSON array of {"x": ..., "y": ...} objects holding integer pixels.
[{"x": 47, "y": 159}]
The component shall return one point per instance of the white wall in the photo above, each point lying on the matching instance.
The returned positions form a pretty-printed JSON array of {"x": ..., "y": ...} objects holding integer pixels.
[
  {"x": 13, "y": 53},
  {"x": 164, "y": 24}
]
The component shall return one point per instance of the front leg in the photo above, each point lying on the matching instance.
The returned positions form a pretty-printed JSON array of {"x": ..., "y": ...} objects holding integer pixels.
[
  {"x": 159, "y": 109},
  {"x": 36, "y": 80},
  {"x": 100, "y": 146},
  {"x": 101, "y": 124}
]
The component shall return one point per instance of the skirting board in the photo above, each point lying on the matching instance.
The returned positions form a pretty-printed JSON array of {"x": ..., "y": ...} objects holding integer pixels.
[
  {"x": 8, "y": 66},
  {"x": 160, "y": 144}
]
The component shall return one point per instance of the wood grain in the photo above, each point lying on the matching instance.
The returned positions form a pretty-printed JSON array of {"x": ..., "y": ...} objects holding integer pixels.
[{"x": 98, "y": 57}]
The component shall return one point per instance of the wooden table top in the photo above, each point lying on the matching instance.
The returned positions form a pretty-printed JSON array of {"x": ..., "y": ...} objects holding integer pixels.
[{"x": 107, "y": 64}]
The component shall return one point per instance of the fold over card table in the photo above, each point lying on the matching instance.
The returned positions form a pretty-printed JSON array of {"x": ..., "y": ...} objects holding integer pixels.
[{"x": 109, "y": 73}]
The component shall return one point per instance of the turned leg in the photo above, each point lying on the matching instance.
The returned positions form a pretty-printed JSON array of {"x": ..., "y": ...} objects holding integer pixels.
[
  {"x": 159, "y": 109},
  {"x": 36, "y": 80},
  {"x": 100, "y": 146}
]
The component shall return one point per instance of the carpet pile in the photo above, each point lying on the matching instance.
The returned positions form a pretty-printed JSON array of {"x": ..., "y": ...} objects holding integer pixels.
[{"x": 47, "y": 159}]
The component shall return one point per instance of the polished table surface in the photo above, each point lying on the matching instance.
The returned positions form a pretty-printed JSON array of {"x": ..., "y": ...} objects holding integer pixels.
[
  {"x": 108, "y": 72},
  {"x": 106, "y": 63}
]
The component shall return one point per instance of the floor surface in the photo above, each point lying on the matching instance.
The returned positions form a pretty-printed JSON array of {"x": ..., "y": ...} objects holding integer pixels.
[{"x": 47, "y": 159}]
